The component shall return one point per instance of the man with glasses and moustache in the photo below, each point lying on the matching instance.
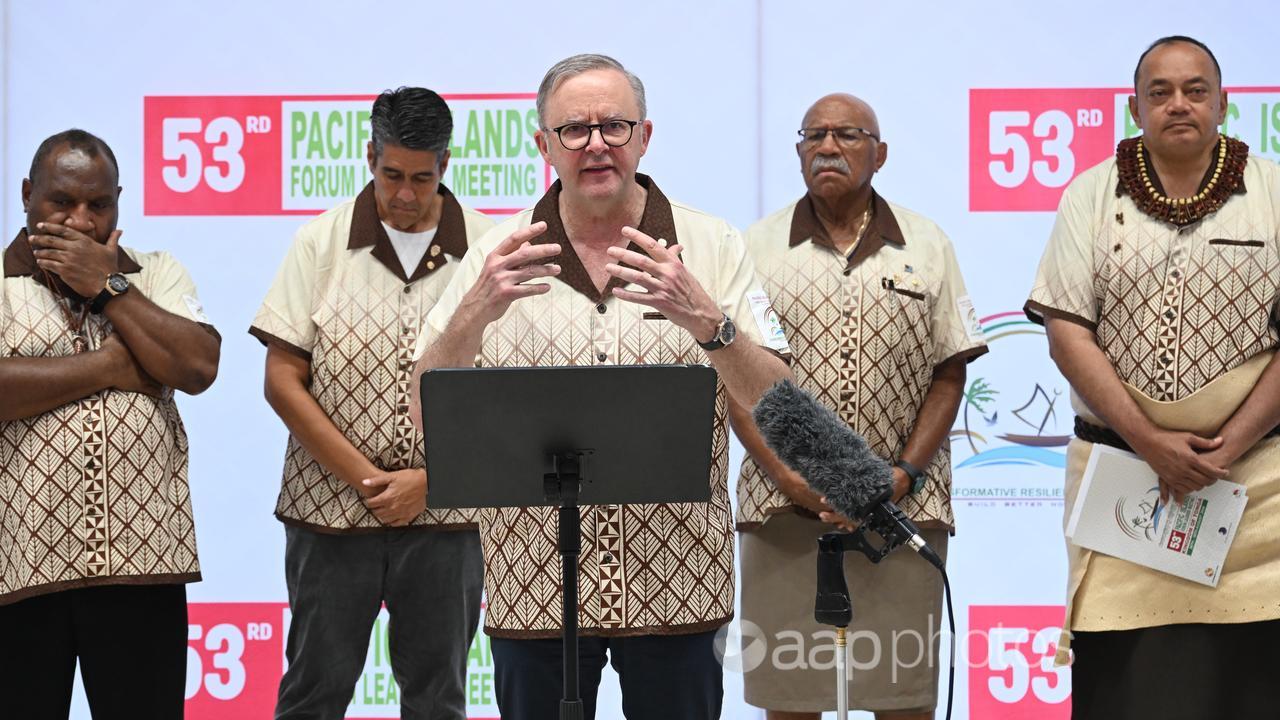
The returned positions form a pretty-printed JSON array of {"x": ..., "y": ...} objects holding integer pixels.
[
  {"x": 606, "y": 270},
  {"x": 871, "y": 299}
]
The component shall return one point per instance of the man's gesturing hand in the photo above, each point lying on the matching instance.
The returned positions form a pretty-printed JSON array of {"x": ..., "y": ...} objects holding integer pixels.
[
  {"x": 669, "y": 286},
  {"x": 506, "y": 270},
  {"x": 82, "y": 262},
  {"x": 400, "y": 496}
]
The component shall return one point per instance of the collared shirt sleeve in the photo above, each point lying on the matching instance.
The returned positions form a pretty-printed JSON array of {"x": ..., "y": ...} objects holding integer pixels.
[
  {"x": 1064, "y": 285},
  {"x": 743, "y": 299},
  {"x": 286, "y": 318},
  {"x": 954, "y": 323},
  {"x": 167, "y": 284}
]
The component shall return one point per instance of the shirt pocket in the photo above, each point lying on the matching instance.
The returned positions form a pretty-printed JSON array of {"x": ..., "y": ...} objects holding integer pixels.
[
  {"x": 1244, "y": 275},
  {"x": 911, "y": 306}
]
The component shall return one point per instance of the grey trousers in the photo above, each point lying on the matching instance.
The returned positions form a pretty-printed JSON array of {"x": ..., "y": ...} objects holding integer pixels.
[{"x": 431, "y": 582}]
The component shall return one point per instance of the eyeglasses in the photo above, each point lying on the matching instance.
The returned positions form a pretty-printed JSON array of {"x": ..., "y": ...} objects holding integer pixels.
[
  {"x": 614, "y": 133},
  {"x": 845, "y": 136}
]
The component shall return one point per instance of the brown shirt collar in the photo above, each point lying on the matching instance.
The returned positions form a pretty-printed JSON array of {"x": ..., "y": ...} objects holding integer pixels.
[
  {"x": 656, "y": 222},
  {"x": 883, "y": 228},
  {"x": 19, "y": 260},
  {"x": 367, "y": 231}
]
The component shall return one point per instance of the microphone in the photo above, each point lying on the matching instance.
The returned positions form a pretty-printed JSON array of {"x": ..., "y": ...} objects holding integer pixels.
[{"x": 837, "y": 464}]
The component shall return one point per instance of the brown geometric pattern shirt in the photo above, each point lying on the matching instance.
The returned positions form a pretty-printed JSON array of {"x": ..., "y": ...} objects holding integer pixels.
[
  {"x": 1173, "y": 308},
  {"x": 866, "y": 332},
  {"x": 644, "y": 569},
  {"x": 342, "y": 301},
  {"x": 93, "y": 492}
]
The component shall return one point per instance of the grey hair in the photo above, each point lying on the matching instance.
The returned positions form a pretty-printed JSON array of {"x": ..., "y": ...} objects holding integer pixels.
[{"x": 577, "y": 65}]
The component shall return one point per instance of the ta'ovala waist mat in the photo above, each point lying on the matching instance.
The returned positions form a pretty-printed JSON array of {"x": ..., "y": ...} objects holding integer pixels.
[{"x": 1106, "y": 593}]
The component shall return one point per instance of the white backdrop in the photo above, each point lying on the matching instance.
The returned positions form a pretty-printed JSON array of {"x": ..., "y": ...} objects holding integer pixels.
[{"x": 727, "y": 85}]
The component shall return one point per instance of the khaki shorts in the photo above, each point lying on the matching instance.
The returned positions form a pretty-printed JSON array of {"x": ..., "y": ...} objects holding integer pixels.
[{"x": 893, "y": 640}]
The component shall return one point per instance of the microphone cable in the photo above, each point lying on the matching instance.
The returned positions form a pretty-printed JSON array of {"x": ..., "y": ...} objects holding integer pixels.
[{"x": 951, "y": 621}]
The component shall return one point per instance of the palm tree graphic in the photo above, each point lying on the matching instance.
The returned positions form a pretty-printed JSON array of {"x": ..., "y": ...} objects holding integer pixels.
[{"x": 977, "y": 396}]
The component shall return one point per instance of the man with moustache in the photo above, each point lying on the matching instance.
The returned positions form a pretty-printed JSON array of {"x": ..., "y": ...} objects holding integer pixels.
[
  {"x": 631, "y": 278},
  {"x": 97, "y": 539},
  {"x": 340, "y": 323},
  {"x": 873, "y": 304},
  {"x": 1160, "y": 292}
]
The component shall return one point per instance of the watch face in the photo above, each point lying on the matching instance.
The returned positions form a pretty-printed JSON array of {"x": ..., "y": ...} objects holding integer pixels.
[
  {"x": 728, "y": 331},
  {"x": 118, "y": 283}
]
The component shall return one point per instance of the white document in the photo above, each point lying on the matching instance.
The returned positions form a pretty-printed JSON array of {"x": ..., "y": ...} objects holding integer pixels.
[{"x": 1118, "y": 512}]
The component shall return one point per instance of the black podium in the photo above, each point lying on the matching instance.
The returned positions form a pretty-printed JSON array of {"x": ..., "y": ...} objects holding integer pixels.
[{"x": 565, "y": 436}]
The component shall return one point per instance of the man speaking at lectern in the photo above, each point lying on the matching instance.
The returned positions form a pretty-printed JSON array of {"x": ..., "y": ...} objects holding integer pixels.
[{"x": 605, "y": 270}]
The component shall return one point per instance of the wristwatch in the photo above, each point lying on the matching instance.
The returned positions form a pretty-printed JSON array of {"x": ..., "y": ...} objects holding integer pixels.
[
  {"x": 117, "y": 284},
  {"x": 917, "y": 477},
  {"x": 726, "y": 331}
]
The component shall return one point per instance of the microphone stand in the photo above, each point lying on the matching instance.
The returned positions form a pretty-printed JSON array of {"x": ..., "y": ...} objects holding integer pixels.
[
  {"x": 833, "y": 606},
  {"x": 562, "y": 487}
]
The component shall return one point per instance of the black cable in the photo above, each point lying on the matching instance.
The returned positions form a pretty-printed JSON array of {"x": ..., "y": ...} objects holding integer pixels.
[{"x": 951, "y": 619}]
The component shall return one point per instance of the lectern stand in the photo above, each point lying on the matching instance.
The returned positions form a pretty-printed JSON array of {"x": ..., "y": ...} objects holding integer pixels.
[{"x": 561, "y": 436}]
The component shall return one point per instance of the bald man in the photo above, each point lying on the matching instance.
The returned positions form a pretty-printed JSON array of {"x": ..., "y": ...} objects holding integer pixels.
[{"x": 870, "y": 297}]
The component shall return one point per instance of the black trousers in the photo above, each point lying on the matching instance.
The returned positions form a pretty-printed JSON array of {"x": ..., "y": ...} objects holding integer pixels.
[
  {"x": 1177, "y": 672},
  {"x": 130, "y": 641},
  {"x": 663, "y": 677}
]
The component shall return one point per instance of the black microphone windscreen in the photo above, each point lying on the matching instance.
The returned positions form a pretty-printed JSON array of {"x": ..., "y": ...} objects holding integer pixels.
[{"x": 815, "y": 443}]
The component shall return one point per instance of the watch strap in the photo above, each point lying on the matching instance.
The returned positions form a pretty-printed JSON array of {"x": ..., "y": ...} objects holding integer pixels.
[
  {"x": 99, "y": 302},
  {"x": 917, "y": 476},
  {"x": 715, "y": 343}
]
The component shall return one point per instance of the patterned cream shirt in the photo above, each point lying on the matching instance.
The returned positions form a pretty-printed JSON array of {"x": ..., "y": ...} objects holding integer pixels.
[
  {"x": 342, "y": 301},
  {"x": 93, "y": 492},
  {"x": 644, "y": 569},
  {"x": 1173, "y": 307},
  {"x": 866, "y": 332}
]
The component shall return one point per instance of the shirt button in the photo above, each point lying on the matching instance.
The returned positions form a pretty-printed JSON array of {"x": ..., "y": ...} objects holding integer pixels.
[
  {"x": 848, "y": 272},
  {"x": 408, "y": 289},
  {"x": 601, "y": 308},
  {"x": 846, "y": 395},
  {"x": 607, "y": 557},
  {"x": 602, "y": 356},
  {"x": 431, "y": 265},
  {"x": 844, "y": 354}
]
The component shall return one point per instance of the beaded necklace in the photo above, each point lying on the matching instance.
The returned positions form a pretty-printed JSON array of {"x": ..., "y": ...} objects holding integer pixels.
[{"x": 1136, "y": 181}]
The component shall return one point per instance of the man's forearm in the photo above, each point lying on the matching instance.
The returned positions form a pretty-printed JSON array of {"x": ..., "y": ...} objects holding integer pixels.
[
  {"x": 34, "y": 385},
  {"x": 457, "y": 346},
  {"x": 313, "y": 429},
  {"x": 1257, "y": 415},
  {"x": 175, "y": 351},
  {"x": 748, "y": 370},
  {"x": 1075, "y": 350},
  {"x": 937, "y": 414},
  {"x": 783, "y": 477}
]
